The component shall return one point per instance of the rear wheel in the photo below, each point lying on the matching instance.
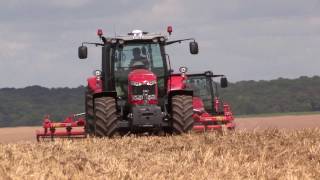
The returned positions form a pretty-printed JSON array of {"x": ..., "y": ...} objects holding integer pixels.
[
  {"x": 89, "y": 113},
  {"x": 105, "y": 116},
  {"x": 182, "y": 111}
]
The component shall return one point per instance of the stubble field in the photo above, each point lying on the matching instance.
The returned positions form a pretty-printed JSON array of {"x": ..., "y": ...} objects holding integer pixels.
[{"x": 255, "y": 151}]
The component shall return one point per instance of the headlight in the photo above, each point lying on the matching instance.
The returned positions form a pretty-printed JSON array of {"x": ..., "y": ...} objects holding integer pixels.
[
  {"x": 121, "y": 41},
  {"x": 152, "y": 97},
  {"x": 133, "y": 83},
  {"x": 150, "y": 83},
  {"x": 155, "y": 40},
  {"x": 97, "y": 73},
  {"x": 183, "y": 69},
  {"x": 137, "y": 97}
]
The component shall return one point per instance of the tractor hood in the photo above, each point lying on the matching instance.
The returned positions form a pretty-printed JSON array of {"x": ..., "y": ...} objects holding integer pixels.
[
  {"x": 142, "y": 87},
  {"x": 142, "y": 76}
]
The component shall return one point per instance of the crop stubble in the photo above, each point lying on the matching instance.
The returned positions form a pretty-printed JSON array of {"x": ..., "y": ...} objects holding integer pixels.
[
  {"x": 269, "y": 154},
  {"x": 248, "y": 153}
]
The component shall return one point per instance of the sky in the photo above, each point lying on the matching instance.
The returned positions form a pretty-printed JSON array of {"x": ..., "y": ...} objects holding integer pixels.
[{"x": 243, "y": 39}]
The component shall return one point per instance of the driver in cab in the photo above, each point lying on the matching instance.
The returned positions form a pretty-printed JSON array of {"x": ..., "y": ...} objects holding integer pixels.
[{"x": 138, "y": 61}]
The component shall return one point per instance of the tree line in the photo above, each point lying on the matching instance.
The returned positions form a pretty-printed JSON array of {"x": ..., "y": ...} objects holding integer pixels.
[
  {"x": 275, "y": 96},
  {"x": 27, "y": 106}
]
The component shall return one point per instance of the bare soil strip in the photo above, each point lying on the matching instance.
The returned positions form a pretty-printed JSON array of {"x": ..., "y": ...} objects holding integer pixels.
[
  {"x": 17, "y": 134},
  {"x": 279, "y": 122}
]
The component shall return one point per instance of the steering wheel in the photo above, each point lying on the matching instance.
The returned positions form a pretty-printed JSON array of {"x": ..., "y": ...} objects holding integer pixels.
[{"x": 138, "y": 65}]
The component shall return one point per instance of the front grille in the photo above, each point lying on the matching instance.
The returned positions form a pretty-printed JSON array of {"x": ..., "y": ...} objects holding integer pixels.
[{"x": 140, "y": 90}]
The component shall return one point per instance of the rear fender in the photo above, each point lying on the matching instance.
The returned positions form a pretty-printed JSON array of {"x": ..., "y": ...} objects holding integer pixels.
[
  {"x": 105, "y": 94},
  {"x": 176, "y": 82},
  {"x": 94, "y": 84}
]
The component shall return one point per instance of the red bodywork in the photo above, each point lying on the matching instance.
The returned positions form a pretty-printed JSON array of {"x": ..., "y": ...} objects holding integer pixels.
[
  {"x": 176, "y": 82},
  {"x": 95, "y": 84},
  {"x": 207, "y": 122},
  {"x": 143, "y": 77},
  {"x": 62, "y": 129}
]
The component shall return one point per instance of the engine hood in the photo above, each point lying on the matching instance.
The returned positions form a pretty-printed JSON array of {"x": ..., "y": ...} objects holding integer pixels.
[{"x": 141, "y": 76}]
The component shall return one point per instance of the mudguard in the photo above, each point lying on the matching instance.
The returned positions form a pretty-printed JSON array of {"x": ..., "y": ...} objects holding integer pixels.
[
  {"x": 105, "y": 94},
  {"x": 94, "y": 84}
]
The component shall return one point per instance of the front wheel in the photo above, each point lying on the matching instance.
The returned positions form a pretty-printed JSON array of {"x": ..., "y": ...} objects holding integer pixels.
[
  {"x": 89, "y": 112},
  {"x": 182, "y": 111},
  {"x": 105, "y": 116}
]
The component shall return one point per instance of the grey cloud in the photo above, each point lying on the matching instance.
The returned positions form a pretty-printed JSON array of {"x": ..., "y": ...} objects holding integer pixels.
[{"x": 246, "y": 39}]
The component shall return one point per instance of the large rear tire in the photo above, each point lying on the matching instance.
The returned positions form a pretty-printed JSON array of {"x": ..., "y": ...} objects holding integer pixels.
[
  {"x": 89, "y": 113},
  {"x": 105, "y": 116},
  {"x": 182, "y": 111}
]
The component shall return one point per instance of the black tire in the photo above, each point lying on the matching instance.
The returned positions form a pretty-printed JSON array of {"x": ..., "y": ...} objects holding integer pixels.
[
  {"x": 89, "y": 113},
  {"x": 105, "y": 116},
  {"x": 182, "y": 111}
]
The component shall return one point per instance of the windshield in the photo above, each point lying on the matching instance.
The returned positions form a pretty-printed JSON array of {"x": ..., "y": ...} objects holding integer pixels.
[
  {"x": 138, "y": 56},
  {"x": 202, "y": 88}
]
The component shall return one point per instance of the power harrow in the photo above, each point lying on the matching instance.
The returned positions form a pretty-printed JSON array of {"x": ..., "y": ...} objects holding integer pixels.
[
  {"x": 72, "y": 127},
  {"x": 205, "y": 121}
]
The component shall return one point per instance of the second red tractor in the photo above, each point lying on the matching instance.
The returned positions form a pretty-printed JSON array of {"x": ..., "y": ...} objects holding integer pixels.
[{"x": 210, "y": 112}]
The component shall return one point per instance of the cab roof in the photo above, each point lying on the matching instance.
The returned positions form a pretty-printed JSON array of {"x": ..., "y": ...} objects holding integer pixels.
[{"x": 140, "y": 35}]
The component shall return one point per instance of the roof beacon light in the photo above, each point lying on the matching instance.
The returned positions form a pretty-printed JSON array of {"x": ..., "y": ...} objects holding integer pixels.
[
  {"x": 169, "y": 30},
  {"x": 137, "y": 34},
  {"x": 99, "y": 32}
]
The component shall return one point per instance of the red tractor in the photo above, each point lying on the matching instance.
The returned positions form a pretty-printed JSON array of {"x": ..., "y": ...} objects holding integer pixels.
[
  {"x": 210, "y": 113},
  {"x": 135, "y": 91}
]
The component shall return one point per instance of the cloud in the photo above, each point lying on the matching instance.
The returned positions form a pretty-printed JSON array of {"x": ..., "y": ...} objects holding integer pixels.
[
  {"x": 68, "y": 3},
  {"x": 244, "y": 39}
]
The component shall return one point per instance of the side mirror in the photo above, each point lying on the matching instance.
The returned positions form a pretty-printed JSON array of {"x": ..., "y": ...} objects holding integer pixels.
[
  {"x": 224, "y": 82},
  {"x": 83, "y": 52},
  {"x": 194, "y": 49}
]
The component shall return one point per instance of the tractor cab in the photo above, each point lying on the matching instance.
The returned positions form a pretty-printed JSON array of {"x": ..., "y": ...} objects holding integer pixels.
[
  {"x": 138, "y": 50},
  {"x": 139, "y": 63},
  {"x": 205, "y": 91}
]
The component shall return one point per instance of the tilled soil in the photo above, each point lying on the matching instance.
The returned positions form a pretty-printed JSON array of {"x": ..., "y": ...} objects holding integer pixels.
[{"x": 291, "y": 122}]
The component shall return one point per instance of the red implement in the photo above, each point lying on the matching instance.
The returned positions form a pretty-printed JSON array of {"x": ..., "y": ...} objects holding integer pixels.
[
  {"x": 207, "y": 122},
  {"x": 63, "y": 129}
]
